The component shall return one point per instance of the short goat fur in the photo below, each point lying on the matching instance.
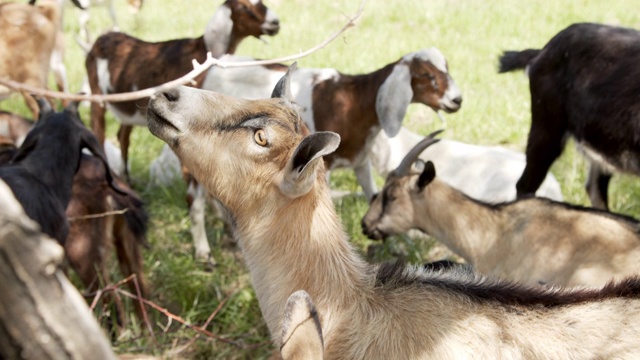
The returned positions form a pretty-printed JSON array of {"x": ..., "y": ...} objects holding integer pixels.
[{"x": 531, "y": 240}]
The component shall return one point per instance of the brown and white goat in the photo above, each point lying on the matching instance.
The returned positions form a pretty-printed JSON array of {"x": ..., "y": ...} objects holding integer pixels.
[
  {"x": 583, "y": 84},
  {"x": 356, "y": 107},
  {"x": 259, "y": 159},
  {"x": 119, "y": 63},
  {"x": 100, "y": 218},
  {"x": 28, "y": 36},
  {"x": 531, "y": 240}
]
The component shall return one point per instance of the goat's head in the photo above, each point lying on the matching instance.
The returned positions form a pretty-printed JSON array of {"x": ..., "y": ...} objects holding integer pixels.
[
  {"x": 420, "y": 77},
  {"x": 245, "y": 152},
  {"x": 391, "y": 211},
  {"x": 58, "y": 132},
  {"x": 235, "y": 20}
]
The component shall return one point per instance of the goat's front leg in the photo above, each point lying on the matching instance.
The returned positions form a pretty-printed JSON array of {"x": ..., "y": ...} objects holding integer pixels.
[
  {"x": 597, "y": 187},
  {"x": 364, "y": 175},
  {"x": 124, "y": 137},
  {"x": 197, "y": 205},
  {"x": 545, "y": 144}
]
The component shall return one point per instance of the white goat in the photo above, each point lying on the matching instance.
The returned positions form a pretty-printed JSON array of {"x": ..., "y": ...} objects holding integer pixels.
[
  {"x": 259, "y": 159},
  {"x": 487, "y": 173},
  {"x": 532, "y": 240}
]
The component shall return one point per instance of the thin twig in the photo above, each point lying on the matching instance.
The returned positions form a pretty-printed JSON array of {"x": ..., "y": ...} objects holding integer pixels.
[
  {"x": 180, "y": 319},
  {"x": 188, "y": 78},
  {"x": 99, "y": 215},
  {"x": 143, "y": 309}
]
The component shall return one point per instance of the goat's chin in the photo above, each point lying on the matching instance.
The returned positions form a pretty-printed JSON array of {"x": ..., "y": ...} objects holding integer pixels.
[{"x": 161, "y": 127}]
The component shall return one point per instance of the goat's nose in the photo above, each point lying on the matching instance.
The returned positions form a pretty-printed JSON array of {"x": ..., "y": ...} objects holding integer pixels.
[
  {"x": 457, "y": 100},
  {"x": 172, "y": 95}
]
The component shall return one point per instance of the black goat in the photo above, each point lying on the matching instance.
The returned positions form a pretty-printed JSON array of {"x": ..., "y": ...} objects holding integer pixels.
[
  {"x": 584, "y": 83},
  {"x": 42, "y": 170}
]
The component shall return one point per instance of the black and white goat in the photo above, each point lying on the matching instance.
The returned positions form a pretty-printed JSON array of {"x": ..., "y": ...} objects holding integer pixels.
[
  {"x": 583, "y": 84},
  {"x": 532, "y": 240},
  {"x": 118, "y": 62}
]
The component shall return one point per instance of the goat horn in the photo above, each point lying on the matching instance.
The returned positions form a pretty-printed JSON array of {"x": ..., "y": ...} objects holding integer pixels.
[{"x": 412, "y": 155}]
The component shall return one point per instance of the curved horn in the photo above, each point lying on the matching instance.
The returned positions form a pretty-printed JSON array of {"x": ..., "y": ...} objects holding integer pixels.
[{"x": 412, "y": 155}]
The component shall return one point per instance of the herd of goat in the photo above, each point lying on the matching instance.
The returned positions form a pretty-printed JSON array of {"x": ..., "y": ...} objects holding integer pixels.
[{"x": 543, "y": 279}]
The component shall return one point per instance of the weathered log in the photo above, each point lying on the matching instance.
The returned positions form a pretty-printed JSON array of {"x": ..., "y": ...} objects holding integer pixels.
[{"x": 42, "y": 316}]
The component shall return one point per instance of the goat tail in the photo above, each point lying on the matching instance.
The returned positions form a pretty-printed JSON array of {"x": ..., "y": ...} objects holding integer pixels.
[
  {"x": 516, "y": 60},
  {"x": 136, "y": 217}
]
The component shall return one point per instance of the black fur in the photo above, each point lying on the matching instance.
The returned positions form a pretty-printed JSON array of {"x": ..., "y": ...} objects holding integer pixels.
[
  {"x": 583, "y": 83},
  {"x": 464, "y": 282}
]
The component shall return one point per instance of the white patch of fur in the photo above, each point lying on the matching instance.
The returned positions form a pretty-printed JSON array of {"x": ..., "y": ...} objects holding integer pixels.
[
  {"x": 104, "y": 76},
  {"x": 217, "y": 33},
  {"x": 432, "y": 55},
  {"x": 137, "y": 119},
  {"x": 487, "y": 173}
]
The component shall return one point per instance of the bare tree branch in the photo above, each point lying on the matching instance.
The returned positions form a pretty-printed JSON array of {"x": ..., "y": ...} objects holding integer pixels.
[{"x": 188, "y": 78}]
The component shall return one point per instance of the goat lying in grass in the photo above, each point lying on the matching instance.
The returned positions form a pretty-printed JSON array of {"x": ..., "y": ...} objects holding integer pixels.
[
  {"x": 531, "y": 240},
  {"x": 259, "y": 159},
  {"x": 583, "y": 84}
]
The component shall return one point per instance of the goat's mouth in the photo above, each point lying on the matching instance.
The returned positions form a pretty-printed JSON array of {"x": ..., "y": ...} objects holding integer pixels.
[
  {"x": 270, "y": 29},
  {"x": 374, "y": 234},
  {"x": 158, "y": 124}
]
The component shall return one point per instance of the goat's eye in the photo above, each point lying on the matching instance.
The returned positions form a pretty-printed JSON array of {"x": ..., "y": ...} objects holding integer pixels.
[{"x": 260, "y": 137}]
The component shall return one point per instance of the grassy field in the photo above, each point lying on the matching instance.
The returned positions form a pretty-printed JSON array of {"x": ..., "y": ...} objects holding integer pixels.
[{"x": 495, "y": 111}]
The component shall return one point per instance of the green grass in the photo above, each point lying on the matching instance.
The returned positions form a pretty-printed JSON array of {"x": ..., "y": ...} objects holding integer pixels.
[{"x": 495, "y": 111}]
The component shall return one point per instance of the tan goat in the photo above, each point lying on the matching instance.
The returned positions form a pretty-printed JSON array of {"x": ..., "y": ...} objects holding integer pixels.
[
  {"x": 27, "y": 38},
  {"x": 533, "y": 240},
  {"x": 259, "y": 159}
]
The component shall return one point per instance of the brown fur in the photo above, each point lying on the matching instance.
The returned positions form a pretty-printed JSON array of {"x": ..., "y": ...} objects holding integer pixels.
[
  {"x": 292, "y": 239},
  {"x": 137, "y": 64},
  {"x": 91, "y": 240}
]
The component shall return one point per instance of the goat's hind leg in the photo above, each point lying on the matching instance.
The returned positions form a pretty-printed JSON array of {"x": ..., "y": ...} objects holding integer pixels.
[{"x": 547, "y": 139}]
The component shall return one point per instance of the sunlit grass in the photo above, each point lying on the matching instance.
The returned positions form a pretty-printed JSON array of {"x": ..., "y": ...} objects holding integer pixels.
[{"x": 495, "y": 111}]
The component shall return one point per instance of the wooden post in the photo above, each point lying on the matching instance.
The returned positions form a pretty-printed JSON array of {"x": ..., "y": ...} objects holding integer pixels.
[{"x": 42, "y": 316}]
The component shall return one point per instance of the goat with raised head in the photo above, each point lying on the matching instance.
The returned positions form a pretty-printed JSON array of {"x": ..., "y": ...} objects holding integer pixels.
[
  {"x": 583, "y": 85},
  {"x": 262, "y": 163},
  {"x": 487, "y": 173},
  {"x": 533, "y": 240},
  {"x": 119, "y": 63},
  {"x": 356, "y": 107}
]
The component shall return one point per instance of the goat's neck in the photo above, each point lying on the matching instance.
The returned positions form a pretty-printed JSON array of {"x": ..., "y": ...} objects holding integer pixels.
[
  {"x": 365, "y": 88},
  {"x": 300, "y": 246},
  {"x": 466, "y": 226},
  {"x": 55, "y": 171}
]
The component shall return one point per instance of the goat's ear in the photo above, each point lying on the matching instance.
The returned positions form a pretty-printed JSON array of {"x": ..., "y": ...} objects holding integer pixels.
[
  {"x": 301, "y": 330},
  {"x": 217, "y": 34},
  {"x": 27, "y": 146},
  {"x": 90, "y": 142},
  {"x": 283, "y": 87},
  {"x": 394, "y": 96},
  {"x": 300, "y": 172},
  {"x": 427, "y": 175},
  {"x": 44, "y": 107}
]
